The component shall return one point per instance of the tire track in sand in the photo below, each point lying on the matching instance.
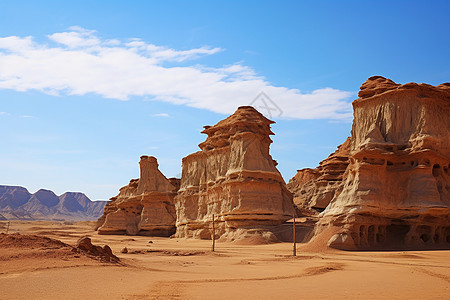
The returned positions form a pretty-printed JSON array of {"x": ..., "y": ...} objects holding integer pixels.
[{"x": 173, "y": 289}]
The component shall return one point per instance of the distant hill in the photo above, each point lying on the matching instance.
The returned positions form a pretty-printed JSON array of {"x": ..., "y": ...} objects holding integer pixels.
[{"x": 16, "y": 203}]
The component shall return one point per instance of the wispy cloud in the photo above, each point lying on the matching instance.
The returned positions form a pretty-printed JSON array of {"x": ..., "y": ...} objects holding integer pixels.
[
  {"x": 165, "y": 115},
  {"x": 27, "y": 117},
  {"x": 2, "y": 113},
  {"x": 78, "y": 62}
]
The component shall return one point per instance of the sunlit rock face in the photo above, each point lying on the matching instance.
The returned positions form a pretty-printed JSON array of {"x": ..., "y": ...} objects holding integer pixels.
[
  {"x": 143, "y": 207},
  {"x": 395, "y": 192},
  {"x": 235, "y": 178}
]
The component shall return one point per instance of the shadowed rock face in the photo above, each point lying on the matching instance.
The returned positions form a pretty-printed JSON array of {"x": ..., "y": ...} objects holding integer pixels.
[
  {"x": 396, "y": 188},
  {"x": 143, "y": 207},
  {"x": 233, "y": 177},
  {"x": 314, "y": 188},
  {"x": 104, "y": 254}
]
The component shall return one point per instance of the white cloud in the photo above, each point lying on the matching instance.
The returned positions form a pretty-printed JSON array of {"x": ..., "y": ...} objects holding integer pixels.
[
  {"x": 79, "y": 62},
  {"x": 161, "y": 115},
  {"x": 75, "y": 39},
  {"x": 3, "y": 113}
]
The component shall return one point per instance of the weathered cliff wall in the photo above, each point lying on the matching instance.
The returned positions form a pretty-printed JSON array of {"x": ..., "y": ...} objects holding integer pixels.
[
  {"x": 235, "y": 178},
  {"x": 314, "y": 188},
  {"x": 143, "y": 207},
  {"x": 396, "y": 188}
]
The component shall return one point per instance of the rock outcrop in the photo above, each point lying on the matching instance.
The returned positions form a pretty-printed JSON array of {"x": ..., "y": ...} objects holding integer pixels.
[
  {"x": 235, "y": 179},
  {"x": 143, "y": 207},
  {"x": 396, "y": 188},
  {"x": 314, "y": 188},
  {"x": 84, "y": 245}
]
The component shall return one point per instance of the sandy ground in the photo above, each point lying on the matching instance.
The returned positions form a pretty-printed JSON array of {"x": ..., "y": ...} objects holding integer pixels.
[{"x": 187, "y": 269}]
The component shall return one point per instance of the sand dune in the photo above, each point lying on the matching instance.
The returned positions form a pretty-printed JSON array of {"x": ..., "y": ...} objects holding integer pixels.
[{"x": 186, "y": 269}]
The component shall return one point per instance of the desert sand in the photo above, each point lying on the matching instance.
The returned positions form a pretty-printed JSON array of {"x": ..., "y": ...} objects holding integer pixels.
[{"x": 164, "y": 268}]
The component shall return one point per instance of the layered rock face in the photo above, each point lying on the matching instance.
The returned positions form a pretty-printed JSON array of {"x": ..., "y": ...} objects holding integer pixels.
[
  {"x": 143, "y": 207},
  {"x": 235, "y": 178},
  {"x": 314, "y": 188},
  {"x": 396, "y": 188}
]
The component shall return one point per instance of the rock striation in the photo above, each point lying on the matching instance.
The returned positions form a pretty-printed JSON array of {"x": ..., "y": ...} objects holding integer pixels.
[
  {"x": 395, "y": 191},
  {"x": 144, "y": 207},
  {"x": 314, "y": 188},
  {"x": 235, "y": 179}
]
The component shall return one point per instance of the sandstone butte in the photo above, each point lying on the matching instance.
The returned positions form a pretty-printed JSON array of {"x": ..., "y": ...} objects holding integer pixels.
[
  {"x": 143, "y": 207},
  {"x": 388, "y": 185},
  {"x": 235, "y": 179}
]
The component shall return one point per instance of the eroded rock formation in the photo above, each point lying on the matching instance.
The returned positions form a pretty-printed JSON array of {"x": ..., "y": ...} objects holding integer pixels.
[
  {"x": 396, "y": 188},
  {"x": 235, "y": 178},
  {"x": 314, "y": 188},
  {"x": 144, "y": 207}
]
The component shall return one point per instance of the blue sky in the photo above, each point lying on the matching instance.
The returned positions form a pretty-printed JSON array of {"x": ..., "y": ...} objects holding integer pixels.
[{"x": 86, "y": 87}]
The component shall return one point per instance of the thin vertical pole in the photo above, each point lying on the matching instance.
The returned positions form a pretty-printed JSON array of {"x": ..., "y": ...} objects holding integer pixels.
[
  {"x": 213, "y": 234},
  {"x": 7, "y": 228},
  {"x": 294, "y": 250}
]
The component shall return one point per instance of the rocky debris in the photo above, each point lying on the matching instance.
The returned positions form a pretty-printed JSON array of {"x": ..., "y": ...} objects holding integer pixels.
[
  {"x": 124, "y": 250},
  {"x": 314, "y": 188},
  {"x": 234, "y": 178},
  {"x": 104, "y": 254},
  {"x": 395, "y": 192},
  {"x": 143, "y": 207}
]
